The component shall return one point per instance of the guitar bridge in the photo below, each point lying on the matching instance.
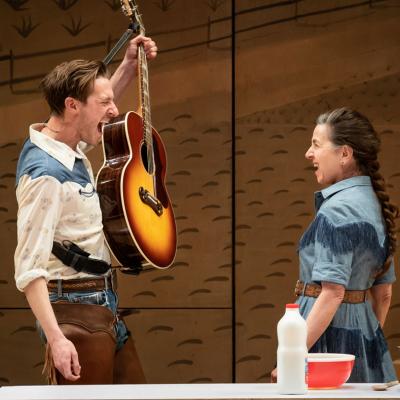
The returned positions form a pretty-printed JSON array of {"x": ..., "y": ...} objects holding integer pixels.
[{"x": 150, "y": 200}]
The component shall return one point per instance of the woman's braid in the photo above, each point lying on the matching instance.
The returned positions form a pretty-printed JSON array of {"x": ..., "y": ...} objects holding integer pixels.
[
  {"x": 389, "y": 210},
  {"x": 354, "y": 129}
]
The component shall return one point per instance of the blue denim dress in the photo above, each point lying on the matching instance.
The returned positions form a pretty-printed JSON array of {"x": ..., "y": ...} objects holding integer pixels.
[{"x": 346, "y": 244}]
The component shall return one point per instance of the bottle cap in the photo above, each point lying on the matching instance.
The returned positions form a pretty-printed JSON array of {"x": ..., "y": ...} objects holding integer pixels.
[{"x": 292, "y": 305}]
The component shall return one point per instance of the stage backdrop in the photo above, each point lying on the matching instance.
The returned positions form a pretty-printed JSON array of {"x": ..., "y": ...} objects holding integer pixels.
[{"x": 241, "y": 188}]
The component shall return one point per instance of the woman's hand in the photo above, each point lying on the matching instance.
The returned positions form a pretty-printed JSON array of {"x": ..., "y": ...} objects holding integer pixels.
[
  {"x": 274, "y": 376},
  {"x": 381, "y": 296}
]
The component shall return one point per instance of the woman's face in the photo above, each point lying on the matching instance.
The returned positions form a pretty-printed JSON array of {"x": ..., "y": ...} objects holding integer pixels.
[{"x": 326, "y": 158}]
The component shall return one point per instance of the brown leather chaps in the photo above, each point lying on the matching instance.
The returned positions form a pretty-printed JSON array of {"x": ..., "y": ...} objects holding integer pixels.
[{"x": 90, "y": 328}]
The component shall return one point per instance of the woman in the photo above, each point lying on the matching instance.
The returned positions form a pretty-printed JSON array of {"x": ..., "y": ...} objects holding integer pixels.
[{"x": 348, "y": 247}]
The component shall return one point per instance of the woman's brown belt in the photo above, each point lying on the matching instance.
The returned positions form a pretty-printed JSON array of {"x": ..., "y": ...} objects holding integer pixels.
[{"x": 313, "y": 290}]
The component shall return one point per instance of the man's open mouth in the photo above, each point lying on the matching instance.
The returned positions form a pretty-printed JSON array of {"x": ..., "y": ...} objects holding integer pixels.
[{"x": 100, "y": 126}]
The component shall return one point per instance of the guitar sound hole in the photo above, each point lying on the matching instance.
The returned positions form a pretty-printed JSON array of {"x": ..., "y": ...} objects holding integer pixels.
[{"x": 143, "y": 154}]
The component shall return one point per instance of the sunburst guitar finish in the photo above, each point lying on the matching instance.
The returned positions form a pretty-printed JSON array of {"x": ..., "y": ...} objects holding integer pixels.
[{"x": 138, "y": 219}]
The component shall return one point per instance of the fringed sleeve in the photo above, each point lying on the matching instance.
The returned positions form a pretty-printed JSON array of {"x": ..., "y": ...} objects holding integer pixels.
[{"x": 336, "y": 245}]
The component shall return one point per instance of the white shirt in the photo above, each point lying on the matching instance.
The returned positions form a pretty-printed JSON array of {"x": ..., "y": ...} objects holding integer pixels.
[{"x": 56, "y": 201}]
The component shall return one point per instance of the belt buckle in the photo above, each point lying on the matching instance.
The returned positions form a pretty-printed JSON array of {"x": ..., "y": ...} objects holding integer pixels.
[{"x": 59, "y": 287}]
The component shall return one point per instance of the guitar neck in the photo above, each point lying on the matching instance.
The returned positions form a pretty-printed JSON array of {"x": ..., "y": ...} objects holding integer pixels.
[
  {"x": 144, "y": 94},
  {"x": 130, "y": 9}
]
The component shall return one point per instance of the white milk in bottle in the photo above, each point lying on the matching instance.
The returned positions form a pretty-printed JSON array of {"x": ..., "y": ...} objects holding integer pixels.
[{"x": 292, "y": 352}]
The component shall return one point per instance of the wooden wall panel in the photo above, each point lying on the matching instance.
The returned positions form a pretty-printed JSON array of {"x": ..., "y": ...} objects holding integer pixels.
[
  {"x": 9, "y": 150},
  {"x": 21, "y": 360},
  {"x": 184, "y": 346},
  {"x": 275, "y": 206}
]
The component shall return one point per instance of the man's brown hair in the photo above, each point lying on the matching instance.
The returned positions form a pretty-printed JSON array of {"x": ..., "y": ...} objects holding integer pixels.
[{"x": 71, "y": 79}]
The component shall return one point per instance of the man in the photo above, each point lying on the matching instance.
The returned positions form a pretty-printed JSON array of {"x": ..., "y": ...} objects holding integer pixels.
[{"x": 57, "y": 202}]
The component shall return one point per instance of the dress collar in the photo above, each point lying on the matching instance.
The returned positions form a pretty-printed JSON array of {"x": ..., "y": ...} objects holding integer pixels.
[
  {"x": 56, "y": 149},
  {"x": 321, "y": 196}
]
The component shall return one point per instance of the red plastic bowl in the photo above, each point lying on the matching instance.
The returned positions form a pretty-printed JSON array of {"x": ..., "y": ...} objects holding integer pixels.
[{"x": 328, "y": 370}]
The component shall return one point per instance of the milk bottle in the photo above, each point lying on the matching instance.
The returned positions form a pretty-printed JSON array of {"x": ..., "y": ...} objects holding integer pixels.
[{"x": 292, "y": 352}]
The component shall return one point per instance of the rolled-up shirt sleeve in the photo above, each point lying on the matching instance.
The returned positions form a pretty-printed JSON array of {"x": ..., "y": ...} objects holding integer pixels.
[
  {"x": 388, "y": 277},
  {"x": 39, "y": 209},
  {"x": 330, "y": 267}
]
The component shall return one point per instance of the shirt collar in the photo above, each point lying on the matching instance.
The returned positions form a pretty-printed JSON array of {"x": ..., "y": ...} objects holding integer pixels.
[
  {"x": 56, "y": 149},
  {"x": 322, "y": 195}
]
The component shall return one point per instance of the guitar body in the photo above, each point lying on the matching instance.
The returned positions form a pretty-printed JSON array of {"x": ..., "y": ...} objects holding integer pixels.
[{"x": 138, "y": 219}]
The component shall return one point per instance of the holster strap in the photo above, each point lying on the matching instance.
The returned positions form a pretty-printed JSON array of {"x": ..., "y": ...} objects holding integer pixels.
[
  {"x": 314, "y": 290},
  {"x": 73, "y": 256}
]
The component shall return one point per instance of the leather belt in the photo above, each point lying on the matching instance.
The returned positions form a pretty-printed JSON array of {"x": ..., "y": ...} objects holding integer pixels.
[
  {"x": 82, "y": 285},
  {"x": 314, "y": 290}
]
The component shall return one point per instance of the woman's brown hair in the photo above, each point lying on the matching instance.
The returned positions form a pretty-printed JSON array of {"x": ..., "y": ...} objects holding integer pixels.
[
  {"x": 355, "y": 130},
  {"x": 71, "y": 79}
]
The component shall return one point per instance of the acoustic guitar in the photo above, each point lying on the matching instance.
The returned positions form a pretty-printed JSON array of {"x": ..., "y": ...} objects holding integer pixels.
[{"x": 138, "y": 219}]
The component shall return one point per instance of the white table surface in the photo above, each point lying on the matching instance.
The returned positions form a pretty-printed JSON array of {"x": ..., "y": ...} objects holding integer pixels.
[{"x": 187, "y": 391}]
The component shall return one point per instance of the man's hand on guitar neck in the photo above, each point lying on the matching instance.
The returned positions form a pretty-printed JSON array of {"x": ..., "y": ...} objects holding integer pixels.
[
  {"x": 149, "y": 45},
  {"x": 128, "y": 67}
]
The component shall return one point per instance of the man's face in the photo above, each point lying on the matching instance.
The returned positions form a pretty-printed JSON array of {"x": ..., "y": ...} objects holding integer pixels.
[{"x": 98, "y": 109}]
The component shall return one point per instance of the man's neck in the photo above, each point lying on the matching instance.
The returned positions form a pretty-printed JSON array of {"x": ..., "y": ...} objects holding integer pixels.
[{"x": 58, "y": 129}]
